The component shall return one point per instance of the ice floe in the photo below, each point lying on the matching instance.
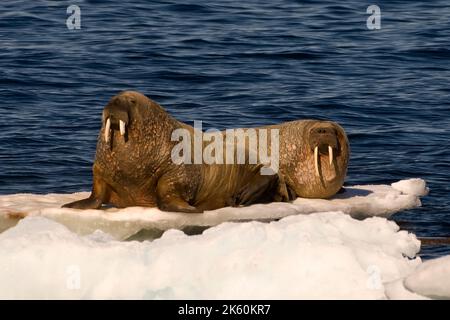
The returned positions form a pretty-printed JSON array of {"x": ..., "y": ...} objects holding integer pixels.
[
  {"x": 307, "y": 249},
  {"x": 356, "y": 201},
  {"x": 324, "y": 255}
]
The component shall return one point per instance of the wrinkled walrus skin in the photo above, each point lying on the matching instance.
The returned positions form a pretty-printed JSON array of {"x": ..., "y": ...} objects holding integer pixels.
[{"x": 133, "y": 166}]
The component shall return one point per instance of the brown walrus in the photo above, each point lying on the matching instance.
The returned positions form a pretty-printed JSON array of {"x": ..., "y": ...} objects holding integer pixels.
[
  {"x": 314, "y": 157},
  {"x": 133, "y": 166}
]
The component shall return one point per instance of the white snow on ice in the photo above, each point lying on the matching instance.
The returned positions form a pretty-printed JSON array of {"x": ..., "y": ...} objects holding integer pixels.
[
  {"x": 324, "y": 255},
  {"x": 431, "y": 279},
  {"x": 412, "y": 186},
  {"x": 59, "y": 253},
  {"x": 357, "y": 201}
]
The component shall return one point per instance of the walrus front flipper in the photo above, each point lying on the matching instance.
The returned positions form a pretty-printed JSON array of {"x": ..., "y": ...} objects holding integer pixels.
[
  {"x": 88, "y": 203},
  {"x": 99, "y": 192}
]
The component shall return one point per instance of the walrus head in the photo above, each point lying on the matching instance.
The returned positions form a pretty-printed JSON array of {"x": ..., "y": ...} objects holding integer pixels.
[
  {"x": 134, "y": 140},
  {"x": 132, "y": 115},
  {"x": 314, "y": 157},
  {"x": 326, "y": 152},
  {"x": 127, "y": 111},
  {"x": 116, "y": 114}
]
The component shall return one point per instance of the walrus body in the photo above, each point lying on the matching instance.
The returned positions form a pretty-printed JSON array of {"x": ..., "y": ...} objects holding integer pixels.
[{"x": 133, "y": 166}]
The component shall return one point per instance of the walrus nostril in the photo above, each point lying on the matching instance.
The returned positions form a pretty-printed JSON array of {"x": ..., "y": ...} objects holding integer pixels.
[{"x": 323, "y": 131}]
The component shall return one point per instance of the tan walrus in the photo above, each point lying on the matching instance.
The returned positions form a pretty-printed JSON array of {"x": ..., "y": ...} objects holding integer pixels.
[
  {"x": 314, "y": 157},
  {"x": 134, "y": 166}
]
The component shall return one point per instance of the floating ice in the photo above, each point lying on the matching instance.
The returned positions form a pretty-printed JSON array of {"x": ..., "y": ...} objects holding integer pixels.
[
  {"x": 431, "y": 279},
  {"x": 414, "y": 186},
  {"x": 396, "y": 290},
  {"x": 322, "y": 255},
  {"x": 61, "y": 253},
  {"x": 356, "y": 201}
]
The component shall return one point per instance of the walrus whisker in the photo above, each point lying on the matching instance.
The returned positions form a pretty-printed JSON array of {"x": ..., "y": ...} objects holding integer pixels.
[
  {"x": 316, "y": 160},
  {"x": 330, "y": 154},
  {"x": 107, "y": 130},
  {"x": 122, "y": 127}
]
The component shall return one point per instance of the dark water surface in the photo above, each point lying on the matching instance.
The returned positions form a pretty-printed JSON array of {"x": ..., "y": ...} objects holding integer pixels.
[{"x": 231, "y": 63}]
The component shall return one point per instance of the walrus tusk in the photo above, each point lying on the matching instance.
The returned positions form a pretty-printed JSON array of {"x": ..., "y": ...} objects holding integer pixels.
[
  {"x": 107, "y": 130},
  {"x": 316, "y": 160},
  {"x": 122, "y": 127},
  {"x": 330, "y": 154}
]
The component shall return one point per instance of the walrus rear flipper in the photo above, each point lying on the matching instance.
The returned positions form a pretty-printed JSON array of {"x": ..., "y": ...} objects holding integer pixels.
[
  {"x": 177, "y": 205},
  {"x": 170, "y": 198},
  {"x": 261, "y": 189},
  {"x": 88, "y": 203}
]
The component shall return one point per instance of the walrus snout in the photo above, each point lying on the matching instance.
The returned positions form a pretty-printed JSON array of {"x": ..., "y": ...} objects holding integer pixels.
[
  {"x": 116, "y": 116},
  {"x": 323, "y": 140},
  {"x": 323, "y": 137}
]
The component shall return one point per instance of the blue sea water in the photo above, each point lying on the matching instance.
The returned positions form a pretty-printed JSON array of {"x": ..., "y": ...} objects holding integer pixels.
[{"x": 231, "y": 63}]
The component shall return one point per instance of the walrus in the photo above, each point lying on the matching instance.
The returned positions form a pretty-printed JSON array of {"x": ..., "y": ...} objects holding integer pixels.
[
  {"x": 314, "y": 157},
  {"x": 134, "y": 166}
]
